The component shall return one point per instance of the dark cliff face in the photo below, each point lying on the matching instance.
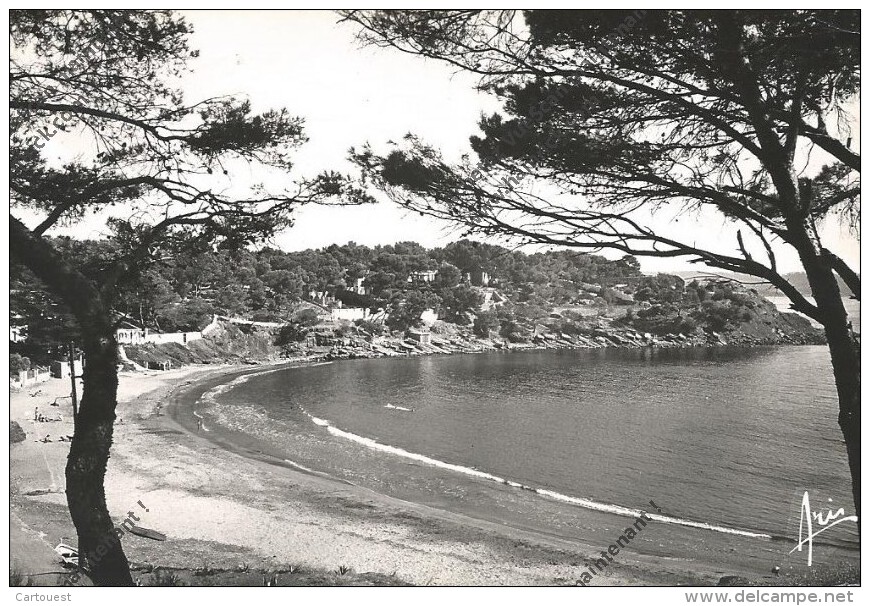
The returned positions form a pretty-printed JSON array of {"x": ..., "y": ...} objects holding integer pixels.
[
  {"x": 731, "y": 312},
  {"x": 768, "y": 325}
]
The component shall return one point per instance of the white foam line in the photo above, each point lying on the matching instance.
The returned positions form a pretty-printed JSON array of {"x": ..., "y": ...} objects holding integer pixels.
[
  {"x": 585, "y": 503},
  {"x": 302, "y": 467},
  {"x": 211, "y": 394},
  {"x": 625, "y": 511},
  {"x": 402, "y": 408}
]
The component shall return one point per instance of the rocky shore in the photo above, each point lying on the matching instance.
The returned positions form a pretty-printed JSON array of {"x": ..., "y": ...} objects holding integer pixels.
[
  {"x": 257, "y": 345},
  {"x": 446, "y": 339}
]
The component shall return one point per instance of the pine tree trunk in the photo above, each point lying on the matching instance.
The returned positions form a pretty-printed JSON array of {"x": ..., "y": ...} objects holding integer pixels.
[
  {"x": 100, "y": 549},
  {"x": 846, "y": 363},
  {"x": 849, "y": 389}
]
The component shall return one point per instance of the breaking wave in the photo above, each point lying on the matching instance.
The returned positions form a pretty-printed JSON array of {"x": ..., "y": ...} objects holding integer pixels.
[
  {"x": 549, "y": 494},
  {"x": 393, "y": 407}
]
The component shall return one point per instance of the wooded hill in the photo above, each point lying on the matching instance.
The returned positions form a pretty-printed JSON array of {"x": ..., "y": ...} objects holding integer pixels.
[{"x": 572, "y": 290}]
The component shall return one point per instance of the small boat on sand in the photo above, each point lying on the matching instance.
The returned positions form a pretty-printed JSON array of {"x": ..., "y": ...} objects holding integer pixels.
[{"x": 148, "y": 533}]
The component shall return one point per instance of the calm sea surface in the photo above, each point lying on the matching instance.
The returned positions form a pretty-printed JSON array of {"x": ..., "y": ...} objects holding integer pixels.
[{"x": 725, "y": 441}]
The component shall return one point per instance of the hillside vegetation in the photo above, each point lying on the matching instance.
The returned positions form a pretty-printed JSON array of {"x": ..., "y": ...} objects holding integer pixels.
[{"x": 483, "y": 296}]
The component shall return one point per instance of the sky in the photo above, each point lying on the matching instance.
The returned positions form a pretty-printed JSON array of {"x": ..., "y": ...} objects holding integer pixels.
[{"x": 348, "y": 95}]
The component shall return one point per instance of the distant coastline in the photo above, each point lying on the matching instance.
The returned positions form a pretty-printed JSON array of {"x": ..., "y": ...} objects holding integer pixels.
[{"x": 853, "y": 309}]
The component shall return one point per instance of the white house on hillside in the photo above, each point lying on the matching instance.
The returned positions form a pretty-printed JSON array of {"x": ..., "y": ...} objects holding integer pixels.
[
  {"x": 349, "y": 313},
  {"x": 424, "y": 276}
]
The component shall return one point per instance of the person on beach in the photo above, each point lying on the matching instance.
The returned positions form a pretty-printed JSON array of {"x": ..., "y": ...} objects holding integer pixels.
[
  {"x": 36, "y": 413},
  {"x": 199, "y": 424}
]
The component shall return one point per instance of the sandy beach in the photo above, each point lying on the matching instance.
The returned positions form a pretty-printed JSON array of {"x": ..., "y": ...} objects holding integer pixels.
[{"x": 225, "y": 509}]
